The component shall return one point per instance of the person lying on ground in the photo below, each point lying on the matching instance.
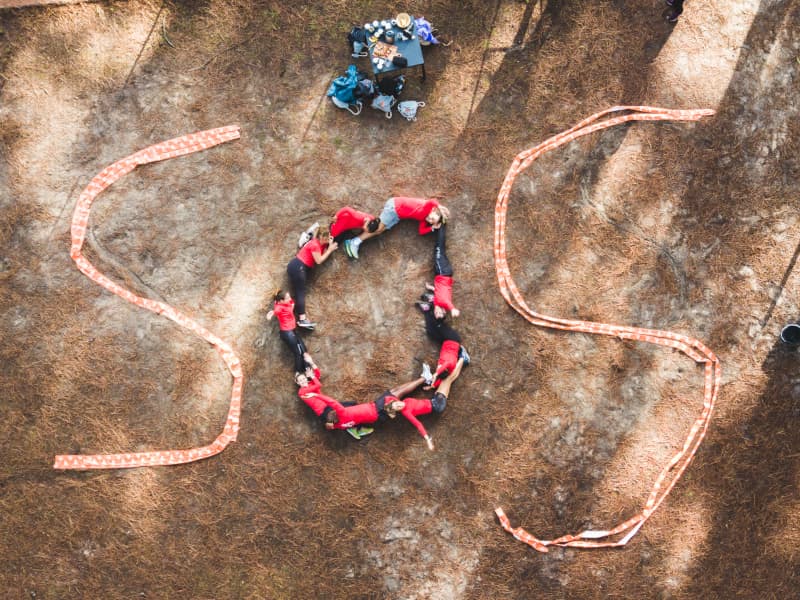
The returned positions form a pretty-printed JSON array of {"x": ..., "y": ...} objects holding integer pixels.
[
  {"x": 430, "y": 214},
  {"x": 310, "y": 392},
  {"x": 348, "y": 219},
  {"x": 451, "y": 350},
  {"x": 442, "y": 287},
  {"x": 283, "y": 310},
  {"x": 313, "y": 253},
  {"x": 410, "y": 408},
  {"x": 388, "y": 405}
]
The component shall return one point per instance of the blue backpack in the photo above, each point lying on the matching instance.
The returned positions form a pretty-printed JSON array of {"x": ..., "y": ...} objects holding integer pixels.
[{"x": 342, "y": 91}]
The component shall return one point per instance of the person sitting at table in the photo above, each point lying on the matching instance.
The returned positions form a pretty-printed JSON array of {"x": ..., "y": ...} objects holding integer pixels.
[
  {"x": 430, "y": 214},
  {"x": 348, "y": 219}
]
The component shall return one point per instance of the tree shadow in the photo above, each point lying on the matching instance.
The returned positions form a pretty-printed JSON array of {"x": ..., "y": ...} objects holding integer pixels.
[{"x": 749, "y": 468}]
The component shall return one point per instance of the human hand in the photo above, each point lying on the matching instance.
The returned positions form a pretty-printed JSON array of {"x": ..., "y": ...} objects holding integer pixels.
[
  {"x": 270, "y": 314},
  {"x": 334, "y": 245},
  {"x": 439, "y": 312},
  {"x": 455, "y": 312},
  {"x": 429, "y": 440}
]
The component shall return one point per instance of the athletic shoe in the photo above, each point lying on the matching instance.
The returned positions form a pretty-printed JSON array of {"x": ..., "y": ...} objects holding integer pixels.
[
  {"x": 462, "y": 353},
  {"x": 364, "y": 431},
  {"x": 672, "y": 17},
  {"x": 306, "y": 324},
  {"x": 307, "y": 235},
  {"x": 426, "y": 374},
  {"x": 354, "y": 432},
  {"x": 423, "y": 306},
  {"x": 351, "y": 249},
  {"x": 426, "y": 297}
]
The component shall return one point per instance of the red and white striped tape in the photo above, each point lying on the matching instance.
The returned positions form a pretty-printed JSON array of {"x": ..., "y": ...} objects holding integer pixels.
[
  {"x": 80, "y": 220},
  {"x": 693, "y": 348}
]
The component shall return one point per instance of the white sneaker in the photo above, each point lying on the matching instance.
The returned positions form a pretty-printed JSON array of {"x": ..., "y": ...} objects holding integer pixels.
[
  {"x": 307, "y": 235},
  {"x": 426, "y": 374}
]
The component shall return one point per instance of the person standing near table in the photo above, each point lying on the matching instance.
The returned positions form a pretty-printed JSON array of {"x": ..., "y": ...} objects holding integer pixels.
[
  {"x": 430, "y": 214},
  {"x": 313, "y": 253}
]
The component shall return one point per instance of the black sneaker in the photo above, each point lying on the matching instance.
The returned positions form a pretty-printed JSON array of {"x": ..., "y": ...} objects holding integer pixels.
[
  {"x": 423, "y": 306},
  {"x": 306, "y": 324}
]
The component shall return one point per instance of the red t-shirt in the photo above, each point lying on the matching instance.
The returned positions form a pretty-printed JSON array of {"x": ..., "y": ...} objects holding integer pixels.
[
  {"x": 414, "y": 407},
  {"x": 310, "y": 394},
  {"x": 415, "y": 208},
  {"x": 448, "y": 357},
  {"x": 443, "y": 292},
  {"x": 284, "y": 311},
  {"x": 350, "y": 416},
  {"x": 306, "y": 252},
  {"x": 348, "y": 218}
]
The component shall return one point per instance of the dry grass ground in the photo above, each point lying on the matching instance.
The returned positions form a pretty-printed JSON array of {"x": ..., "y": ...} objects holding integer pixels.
[{"x": 684, "y": 227}]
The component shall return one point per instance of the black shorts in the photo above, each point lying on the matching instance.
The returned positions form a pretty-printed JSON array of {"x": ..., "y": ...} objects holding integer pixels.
[{"x": 380, "y": 403}]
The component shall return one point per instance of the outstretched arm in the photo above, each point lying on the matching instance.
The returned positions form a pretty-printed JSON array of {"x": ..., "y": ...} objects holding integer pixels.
[{"x": 406, "y": 412}]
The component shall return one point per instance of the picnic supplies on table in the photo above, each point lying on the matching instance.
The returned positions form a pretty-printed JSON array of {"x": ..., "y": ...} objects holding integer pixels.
[
  {"x": 408, "y": 109},
  {"x": 385, "y": 51}
]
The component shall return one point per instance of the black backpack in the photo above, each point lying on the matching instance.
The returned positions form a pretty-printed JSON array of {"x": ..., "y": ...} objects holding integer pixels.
[
  {"x": 392, "y": 86},
  {"x": 357, "y": 34}
]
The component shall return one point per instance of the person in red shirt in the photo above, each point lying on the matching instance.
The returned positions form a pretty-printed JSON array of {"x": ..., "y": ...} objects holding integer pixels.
[
  {"x": 348, "y": 218},
  {"x": 283, "y": 310},
  {"x": 442, "y": 288},
  {"x": 313, "y": 253},
  {"x": 310, "y": 392},
  {"x": 440, "y": 332},
  {"x": 410, "y": 408},
  {"x": 389, "y": 404},
  {"x": 430, "y": 214}
]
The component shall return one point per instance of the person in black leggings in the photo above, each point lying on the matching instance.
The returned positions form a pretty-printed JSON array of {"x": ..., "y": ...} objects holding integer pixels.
[
  {"x": 283, "y": 311},
  {"x": 315, "y": 252},
  {"x": 442, "y": 288}
]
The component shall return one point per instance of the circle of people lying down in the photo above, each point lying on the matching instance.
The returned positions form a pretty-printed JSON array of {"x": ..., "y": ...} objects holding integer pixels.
[{"x": 316, "y": 246}]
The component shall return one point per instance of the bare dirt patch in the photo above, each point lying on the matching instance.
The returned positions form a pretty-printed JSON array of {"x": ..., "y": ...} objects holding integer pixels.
[{"x": 683, "y": 227}]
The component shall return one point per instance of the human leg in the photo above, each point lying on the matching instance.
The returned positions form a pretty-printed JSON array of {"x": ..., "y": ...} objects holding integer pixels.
[
  {"x": 438, "y": 329},
  {"x": 404, "y": 389},
  {"x": 444, "y": 387},
  {"x": 441, "y": 265},
  {"x": 298, "y": 348},
  {"x": 297, "y": 272}
]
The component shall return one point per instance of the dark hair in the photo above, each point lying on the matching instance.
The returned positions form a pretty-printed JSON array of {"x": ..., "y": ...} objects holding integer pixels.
[
  {"x": 373, "y": 225},
  {"x": 279, "y": 295},
  {"x": 332, "y": 417}
]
